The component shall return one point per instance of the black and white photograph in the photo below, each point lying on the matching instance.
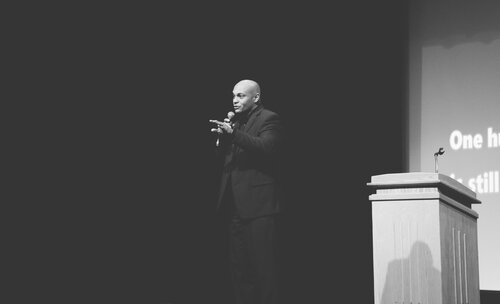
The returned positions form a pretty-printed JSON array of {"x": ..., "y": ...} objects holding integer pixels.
[{"x": 252, "y": 153}]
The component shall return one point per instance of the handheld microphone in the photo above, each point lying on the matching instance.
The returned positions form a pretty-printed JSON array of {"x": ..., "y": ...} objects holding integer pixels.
[{"x": 230, "y": 116}]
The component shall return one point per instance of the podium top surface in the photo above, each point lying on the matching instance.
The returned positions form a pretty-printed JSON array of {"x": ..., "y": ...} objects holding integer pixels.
[{"x": 422, "y": 179}]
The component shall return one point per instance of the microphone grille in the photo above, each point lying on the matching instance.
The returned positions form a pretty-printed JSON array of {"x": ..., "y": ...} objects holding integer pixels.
[{"x": 230, "y": 115}]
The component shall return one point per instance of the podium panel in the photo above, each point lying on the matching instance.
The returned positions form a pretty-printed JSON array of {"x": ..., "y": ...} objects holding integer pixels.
[{"x": 424, "y": 239}]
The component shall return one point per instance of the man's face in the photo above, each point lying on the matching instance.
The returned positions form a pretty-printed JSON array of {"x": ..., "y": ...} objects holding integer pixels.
[{"x": 244, "y": 98}]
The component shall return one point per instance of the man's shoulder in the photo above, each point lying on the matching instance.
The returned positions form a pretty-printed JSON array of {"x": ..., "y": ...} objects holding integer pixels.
[{"x": 266, "y": 113}]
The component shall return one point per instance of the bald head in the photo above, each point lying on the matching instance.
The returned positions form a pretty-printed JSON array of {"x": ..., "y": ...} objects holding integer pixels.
[
  {"x": 248, "y": 86},
  {"x": 246, "y": 95}
]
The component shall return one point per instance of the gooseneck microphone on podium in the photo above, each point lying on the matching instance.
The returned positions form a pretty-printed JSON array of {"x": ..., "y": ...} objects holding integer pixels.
[
  {"x": 436, "y": 166},
  {"x": 230, "y": 116}
]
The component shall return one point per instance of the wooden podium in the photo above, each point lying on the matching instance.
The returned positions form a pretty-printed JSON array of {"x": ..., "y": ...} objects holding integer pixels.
[{"x": 424, "y": 240}]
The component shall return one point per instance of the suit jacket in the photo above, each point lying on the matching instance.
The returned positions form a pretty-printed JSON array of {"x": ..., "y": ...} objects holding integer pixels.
[{"x": 251, "y": 164}]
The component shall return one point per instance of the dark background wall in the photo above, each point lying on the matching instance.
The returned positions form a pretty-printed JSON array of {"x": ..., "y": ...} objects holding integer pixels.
[{"x": 115, "y": 155}]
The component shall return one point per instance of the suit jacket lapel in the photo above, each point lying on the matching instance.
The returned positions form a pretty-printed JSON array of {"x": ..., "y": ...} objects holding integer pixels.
[
  {"x": 252, "y": 120},
  {"x": 246, "y": 128}
]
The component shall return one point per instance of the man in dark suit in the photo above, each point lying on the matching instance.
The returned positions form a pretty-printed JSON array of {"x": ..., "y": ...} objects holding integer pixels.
[{"x": 251, "y": 143}]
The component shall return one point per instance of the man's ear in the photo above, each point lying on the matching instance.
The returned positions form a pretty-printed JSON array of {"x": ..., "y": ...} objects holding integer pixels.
[{"x": 256, "y": 98}]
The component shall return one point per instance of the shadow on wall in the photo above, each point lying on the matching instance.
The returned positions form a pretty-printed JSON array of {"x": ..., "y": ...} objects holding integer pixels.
[{"x": 412, "y": 280}]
